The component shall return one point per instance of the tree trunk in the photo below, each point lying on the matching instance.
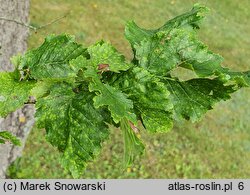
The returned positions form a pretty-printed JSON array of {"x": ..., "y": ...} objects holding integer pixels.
[{"x": 13, "y": 38}]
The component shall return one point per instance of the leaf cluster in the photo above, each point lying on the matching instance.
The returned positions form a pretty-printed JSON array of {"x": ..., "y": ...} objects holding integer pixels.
[{"x": 80, "y": 91}]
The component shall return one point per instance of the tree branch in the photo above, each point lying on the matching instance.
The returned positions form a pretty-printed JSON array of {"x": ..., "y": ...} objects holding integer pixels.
[
  {"x": 33, "y": 27},
  {"x": 52, "y": 22},
  {"x": 18, "y": 22}
]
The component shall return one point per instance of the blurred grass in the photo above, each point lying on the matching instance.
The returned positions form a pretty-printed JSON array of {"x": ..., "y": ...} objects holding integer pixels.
[{"x": 216, "y": 147}]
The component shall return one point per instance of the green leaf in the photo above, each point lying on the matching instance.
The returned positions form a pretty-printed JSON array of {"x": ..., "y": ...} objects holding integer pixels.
[
  {"x": 195, "y": 97},
  {"x": 118, "y": 104},
  {"x": 104, "y": 53},
  {"x": 144, "y": 88},
  {"x": 179, "y": 47},
  {"x": 150, "y": 96},
  {"x": 134, "y": 34},
  {"x": 73, "y": 125},
  {"x": 191, "y": 19},
  {"x": 133, "y": 146},
  {"x": 51, "y": 59},
  {"x": 6, "y": 136},
  {"x": 174, "y": 44},
  {"x": 13, "y": 93}
]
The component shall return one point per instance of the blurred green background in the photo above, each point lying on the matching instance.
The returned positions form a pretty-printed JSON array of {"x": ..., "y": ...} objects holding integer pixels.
[{"x": 216, "y": 147}]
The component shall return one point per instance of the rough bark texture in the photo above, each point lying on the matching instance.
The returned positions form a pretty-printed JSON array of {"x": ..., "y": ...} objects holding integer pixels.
[{"x": 13, "y": 41}]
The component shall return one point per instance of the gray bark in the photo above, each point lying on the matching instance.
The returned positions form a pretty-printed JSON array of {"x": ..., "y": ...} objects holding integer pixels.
[{"x": 13, "y": 41}]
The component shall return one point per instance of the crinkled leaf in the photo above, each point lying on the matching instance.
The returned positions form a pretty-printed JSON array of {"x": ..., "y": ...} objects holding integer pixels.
[
  {"x": 51, "y": 59},
  {"x": 144, "y": 89},
  {"x": 104, "y": 54},
  {"x": 175, "y": 44},
  {"x": 179, "y": 47},
  {"x": 133, "y": 146},
  {"x": 52, "y": 113},
  {"x": 118, "y": 103},
  {"x": 135, "y": 34},
  {"x": 73, "y": 125},
  {"x": 149, "y": 96},
  {"x": 195, "y": 97},
  {"x": 13, "y": 93},
  {"x": 6, "y": 136}
]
